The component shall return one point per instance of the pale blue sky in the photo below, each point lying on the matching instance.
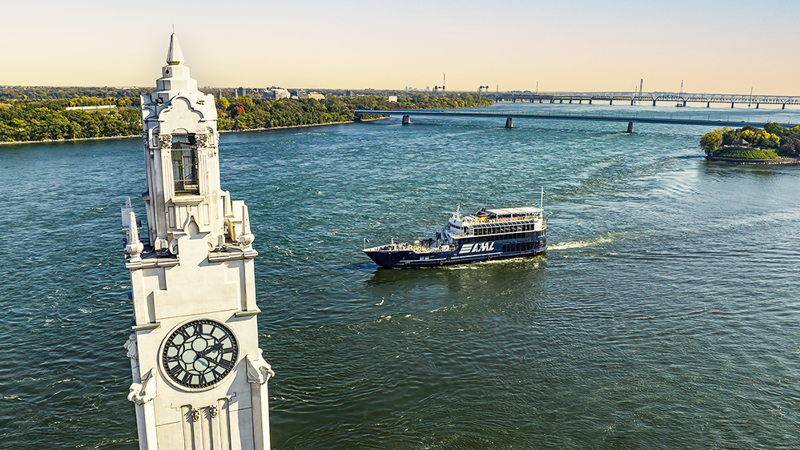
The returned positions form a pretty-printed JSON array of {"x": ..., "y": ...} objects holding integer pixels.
[{"x": 578, "y": 45}]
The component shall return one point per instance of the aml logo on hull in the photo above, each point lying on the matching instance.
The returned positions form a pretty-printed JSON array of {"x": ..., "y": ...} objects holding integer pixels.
[{"x": 476, "y": 248}]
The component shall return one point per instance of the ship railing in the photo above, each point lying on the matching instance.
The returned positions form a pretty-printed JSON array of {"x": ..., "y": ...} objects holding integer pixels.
[{"x": 508, "y": 219}]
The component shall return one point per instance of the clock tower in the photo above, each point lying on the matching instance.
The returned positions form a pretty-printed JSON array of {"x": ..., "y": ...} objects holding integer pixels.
[{"x": 199, "y": 378}]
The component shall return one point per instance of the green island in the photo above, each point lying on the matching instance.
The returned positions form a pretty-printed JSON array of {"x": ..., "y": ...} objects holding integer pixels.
[
  {"x": 773, "y": 143},
  {"x": 41, "y": 114}
]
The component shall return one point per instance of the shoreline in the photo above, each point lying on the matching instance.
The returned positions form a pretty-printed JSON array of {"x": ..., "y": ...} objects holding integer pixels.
[
  {"x": 46, "y": 141},
  {"x": 776, "y": 161}
]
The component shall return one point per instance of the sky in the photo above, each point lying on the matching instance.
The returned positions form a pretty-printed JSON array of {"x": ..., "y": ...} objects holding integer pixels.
[{"x": 711, "y": 46}]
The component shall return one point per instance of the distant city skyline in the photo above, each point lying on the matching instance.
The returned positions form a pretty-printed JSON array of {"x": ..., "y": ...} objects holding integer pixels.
[{"x": 573, "y": 45}]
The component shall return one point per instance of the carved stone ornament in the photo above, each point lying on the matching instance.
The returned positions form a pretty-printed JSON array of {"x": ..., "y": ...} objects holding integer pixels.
[
  {"x": 141, "y": 393},
  {"x": 130, "y": 346},
  {"x": 212, "y": 136},
  {"x": 201, "y": 140},
  {"x": 246, "y": 238},
  {"x": 258, "y": 370},
  {"x": 166, "y": 141},
  {"x": 135, "y": 246}
]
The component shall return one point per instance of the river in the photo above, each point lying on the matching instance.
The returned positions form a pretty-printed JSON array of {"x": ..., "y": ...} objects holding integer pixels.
[{"x": 664, "y": 314}]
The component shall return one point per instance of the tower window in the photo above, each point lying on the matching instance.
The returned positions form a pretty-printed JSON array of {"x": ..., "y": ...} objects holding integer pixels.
[{"x": 184, "y": 163}]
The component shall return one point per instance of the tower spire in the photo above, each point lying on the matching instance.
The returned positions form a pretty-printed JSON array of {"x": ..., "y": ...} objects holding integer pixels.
[
  {"x": 199, "y": 379},
  {"x": 174, "y": 54}
]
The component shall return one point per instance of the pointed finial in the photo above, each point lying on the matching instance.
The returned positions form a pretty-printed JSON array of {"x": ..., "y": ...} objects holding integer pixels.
[
  {"x": 246, "y": 238},
  {"x": 135, "y": 246},
  {"x": 174, "y": 55}
]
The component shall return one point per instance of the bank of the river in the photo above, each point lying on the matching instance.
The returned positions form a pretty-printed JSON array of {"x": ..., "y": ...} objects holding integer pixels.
[
  {"x": 99, "y": 138},
  {"x": 782, "y": 160},
  {"x": 50, "y": 121},
  {"x": 45, "y": 141}
]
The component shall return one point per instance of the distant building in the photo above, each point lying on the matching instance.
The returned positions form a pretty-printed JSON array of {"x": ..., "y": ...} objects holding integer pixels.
[
  {"x": 276, "y": 93},
  {"x": 392, "y": 98},
  {"x": 316, "y": 95},
  {"x": 87, "y": 108},
  {"x": 240, "y": 92}
]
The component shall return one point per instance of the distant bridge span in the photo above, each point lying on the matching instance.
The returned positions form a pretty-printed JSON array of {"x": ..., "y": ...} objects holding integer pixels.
[
  {"x": 508, "y": 115},
  {"x": 644, "y": 97}
]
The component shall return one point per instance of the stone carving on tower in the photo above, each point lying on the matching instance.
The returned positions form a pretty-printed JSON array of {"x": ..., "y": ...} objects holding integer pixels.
[{"x": 199, "y": 377}]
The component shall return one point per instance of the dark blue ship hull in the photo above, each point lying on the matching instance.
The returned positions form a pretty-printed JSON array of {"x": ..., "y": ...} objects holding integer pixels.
[{"x": 462, "y": 254}]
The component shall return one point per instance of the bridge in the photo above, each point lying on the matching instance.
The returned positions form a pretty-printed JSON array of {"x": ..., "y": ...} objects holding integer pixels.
[
  {"x": 632, "y": 98},
  {"x": 652, "y": 117}
]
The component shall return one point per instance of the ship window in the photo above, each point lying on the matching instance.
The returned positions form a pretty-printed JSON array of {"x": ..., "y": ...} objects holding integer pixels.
[{"x": 184, "y": 163}]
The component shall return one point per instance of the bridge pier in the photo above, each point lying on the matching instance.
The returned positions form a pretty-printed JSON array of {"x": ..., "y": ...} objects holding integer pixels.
[
  {"x": 757, "y": 105},
  {"x": 562, "y": 101},
  {"x": 406, "y": 120},
  {"x": 509, "y": 123},
  {"x": 630, "y": 128},
  {"x": 632, "y": 101},
  {"x": 570, "y": 101},
  {"x": 611, "y": 102},
  {"x": 731, "y": 105},
  {"x": 580, "y": 101},
  {"x": 708, "y": 105},
  {"x": 784, "y": 106},
  {"x": 654, "y": 103},
  {"x": 590, "y": 101}
]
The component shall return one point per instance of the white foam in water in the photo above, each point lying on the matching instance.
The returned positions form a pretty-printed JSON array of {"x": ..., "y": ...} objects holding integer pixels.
[{"x": 579, "y": 244}]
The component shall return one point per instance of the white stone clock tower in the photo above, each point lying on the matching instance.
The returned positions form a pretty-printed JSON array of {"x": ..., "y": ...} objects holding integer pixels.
[{"x": 199, "y": 379}]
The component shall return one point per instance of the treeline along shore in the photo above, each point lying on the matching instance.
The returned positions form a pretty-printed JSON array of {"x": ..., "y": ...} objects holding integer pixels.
[
  {"x": 773, "y": 142},
  {"x": 45, "y": 118}
]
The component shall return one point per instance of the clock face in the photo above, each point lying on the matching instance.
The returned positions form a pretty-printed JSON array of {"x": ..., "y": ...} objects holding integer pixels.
[{"x": 199, "y": 354}]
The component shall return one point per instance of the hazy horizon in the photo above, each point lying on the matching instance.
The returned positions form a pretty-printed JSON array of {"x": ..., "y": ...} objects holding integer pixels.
[{"x": 575, "y": 45}]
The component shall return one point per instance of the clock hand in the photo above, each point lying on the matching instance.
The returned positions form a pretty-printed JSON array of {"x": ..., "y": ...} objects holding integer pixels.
[{"x": 203, "y": 353}]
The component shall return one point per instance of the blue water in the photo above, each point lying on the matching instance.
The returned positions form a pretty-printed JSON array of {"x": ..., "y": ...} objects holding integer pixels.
[{"x": 664, "y": 314}]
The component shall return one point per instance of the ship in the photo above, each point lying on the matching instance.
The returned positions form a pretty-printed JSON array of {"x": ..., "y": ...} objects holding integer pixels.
[{"x": 489, "y": 234}]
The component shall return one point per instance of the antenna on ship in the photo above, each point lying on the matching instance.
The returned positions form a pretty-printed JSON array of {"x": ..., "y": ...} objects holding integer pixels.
[{"x": 541, "y": 200}]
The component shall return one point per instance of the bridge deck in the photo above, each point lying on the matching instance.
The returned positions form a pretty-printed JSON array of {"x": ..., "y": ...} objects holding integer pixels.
[
  {"x": 647, "y": 97},
  {"x": 635, "y": 118}
]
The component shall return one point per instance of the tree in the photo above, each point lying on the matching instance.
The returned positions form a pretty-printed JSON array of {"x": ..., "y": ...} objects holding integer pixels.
[
  {"x": 790, "y": 149},
  {"x": 775, "y": 128},
  {"x": 710, "y": 142}
]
